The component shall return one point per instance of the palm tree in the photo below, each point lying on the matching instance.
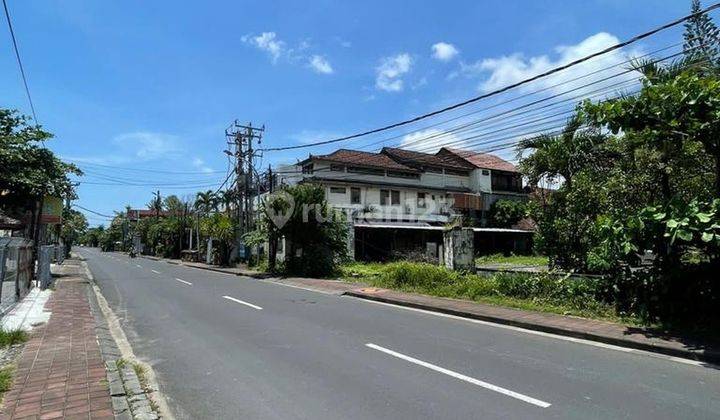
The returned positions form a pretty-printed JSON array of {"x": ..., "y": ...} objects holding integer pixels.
[
  {"x": 155, "y": 205},
  {"x": 562, "y": 154},
  {"x": 228, "y": 198},
  {"x": 205, "y": 202}
]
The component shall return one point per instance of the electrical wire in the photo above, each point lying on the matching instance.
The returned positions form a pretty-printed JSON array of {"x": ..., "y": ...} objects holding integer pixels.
[
  {"x": 19, "y": 61},
  {"x": 503, "y": 89}
]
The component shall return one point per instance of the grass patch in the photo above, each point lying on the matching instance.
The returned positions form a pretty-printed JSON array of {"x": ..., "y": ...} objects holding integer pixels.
[
  {"x": 6, "y": 379},
  {"x": 512, "y": 260},
  {"x": 544, "y": 292},
  {"x": 8, "y": 338},
  {"x": 145, "y": 384}
]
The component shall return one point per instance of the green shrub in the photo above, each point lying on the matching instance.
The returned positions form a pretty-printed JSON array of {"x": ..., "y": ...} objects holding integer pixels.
[
  {"x": 8, "y": 338},
  {"x": 546, "y": 291}
]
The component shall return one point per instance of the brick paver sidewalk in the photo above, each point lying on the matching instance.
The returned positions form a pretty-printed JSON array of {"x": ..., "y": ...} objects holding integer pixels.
[{"x": 61, "y": 373}]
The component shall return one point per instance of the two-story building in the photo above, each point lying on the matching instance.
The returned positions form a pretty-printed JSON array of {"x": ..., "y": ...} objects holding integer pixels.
[
  {"x": 410, "y": 193},
  {"x": 404, "y": 185}
]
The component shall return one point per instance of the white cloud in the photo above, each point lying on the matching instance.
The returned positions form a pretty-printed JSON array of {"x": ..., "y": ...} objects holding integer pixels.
[
  {"x": 444, "y": 51},
  {"x": 430, "y": 141},
  {"x": 509, "y": 69},
  {"x": 200, "y": 165},
  {"x": 268, "y": 42},
  {"x": 320, "y": 64},
  {"x": 311, "y": 136},
  {"x": 390, "y": 72},
  {"x": 146, "y": 145}
]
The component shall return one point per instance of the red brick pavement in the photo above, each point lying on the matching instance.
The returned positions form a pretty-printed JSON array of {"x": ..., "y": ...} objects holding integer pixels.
[{"x": 60, "y": 373}]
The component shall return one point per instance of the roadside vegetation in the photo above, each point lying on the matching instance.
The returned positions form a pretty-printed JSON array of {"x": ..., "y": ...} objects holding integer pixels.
[
  {"x": 510, "y": 260},
  {"x": 6, "y": 379},
  {"x": 12, "y": 337},
  {"x": 7, "y": 339},
  {"x": 546, "y": 292}
]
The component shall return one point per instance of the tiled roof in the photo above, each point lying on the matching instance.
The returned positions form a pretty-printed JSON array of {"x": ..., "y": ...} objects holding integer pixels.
[
  {"x": 418, "y": 159},
  {"x": 482, "y": 160},
  {"x": 366, "y": 159}
]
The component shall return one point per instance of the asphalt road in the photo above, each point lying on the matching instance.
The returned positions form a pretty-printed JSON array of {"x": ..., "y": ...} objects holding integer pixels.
[{"x": 224, "y": 346}]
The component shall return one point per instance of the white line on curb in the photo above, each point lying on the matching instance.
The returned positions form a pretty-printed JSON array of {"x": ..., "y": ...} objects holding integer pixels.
[
  {"x": 242, "y": 302},
  {"x": 462, "y": 377},
  {"x": 183, "y": 281}
]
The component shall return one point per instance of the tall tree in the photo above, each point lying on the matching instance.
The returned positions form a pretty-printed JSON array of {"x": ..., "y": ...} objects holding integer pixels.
[
  {"x": 701, "y": 37},
  {"x": 28, "y": 170}
]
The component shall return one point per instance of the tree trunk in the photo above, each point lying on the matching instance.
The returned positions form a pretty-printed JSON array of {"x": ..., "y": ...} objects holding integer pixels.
[{"x": 272, "y": 251}]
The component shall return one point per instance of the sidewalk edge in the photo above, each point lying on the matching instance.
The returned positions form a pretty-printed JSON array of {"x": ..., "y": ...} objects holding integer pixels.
[
  {"x": 711, "y": 357},
  {"x": 128, "y": 398}
]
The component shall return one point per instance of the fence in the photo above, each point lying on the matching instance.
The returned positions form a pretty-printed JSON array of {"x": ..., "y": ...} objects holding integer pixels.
[
  {"x": 46, "y": 254},
  {"x": 16, "y": 270}
]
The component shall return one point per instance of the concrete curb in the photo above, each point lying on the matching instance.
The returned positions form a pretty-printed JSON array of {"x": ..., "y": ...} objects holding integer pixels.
[
  {"x": 698, "y": 355},
  {"x": 255, "y": 275},
  {"x": 129, "y": 399},
  {"x": 709, "y": 357}
]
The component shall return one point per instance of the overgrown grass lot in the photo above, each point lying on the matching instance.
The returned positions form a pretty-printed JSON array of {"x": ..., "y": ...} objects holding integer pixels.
[
  {"x": 546, "y": 292},
  {"x": 525, "y": 260}
]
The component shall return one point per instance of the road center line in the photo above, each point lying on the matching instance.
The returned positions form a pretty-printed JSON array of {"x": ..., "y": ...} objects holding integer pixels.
[
  {"x": 241, "y": 302},
  {"x": 155, "y": 271},
  {"x": 183, "y": 281},
  {"x": 462, "y": 377}
]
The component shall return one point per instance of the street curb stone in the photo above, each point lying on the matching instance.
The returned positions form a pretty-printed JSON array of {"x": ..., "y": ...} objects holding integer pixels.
[
  {"x": 129, "y": 399},
  {"x": 704, "y": 356}
]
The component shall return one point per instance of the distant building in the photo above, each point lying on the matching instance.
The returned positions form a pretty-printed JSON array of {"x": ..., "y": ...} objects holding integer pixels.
[
  {"x": 135, "y": 215},
  {"x": 404, "y": 185},
  {"x": 400, "y": 199}
]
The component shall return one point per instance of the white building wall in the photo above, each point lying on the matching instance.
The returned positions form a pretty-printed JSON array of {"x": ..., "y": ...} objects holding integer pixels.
[{"x": 481, "y": 180}]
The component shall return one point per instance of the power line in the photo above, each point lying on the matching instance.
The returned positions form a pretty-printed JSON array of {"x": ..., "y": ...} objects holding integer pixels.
[
  {"x": 93, "y": 211},
  {"x": 19, "y": 61},
  {"x": 503, "y": 89},
  {"x": 80, "y": 162}
]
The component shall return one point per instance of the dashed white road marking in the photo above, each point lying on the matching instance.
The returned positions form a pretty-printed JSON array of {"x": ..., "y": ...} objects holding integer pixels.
[
  {"x": 242, "y": 302},
  {"x": 155, "y": 271},
  {"x": 548, "y": 335},
  {"x": 462, "y": 377},
  {"x": 183, "y": 281},
  {"x": 138, "y": 265}
]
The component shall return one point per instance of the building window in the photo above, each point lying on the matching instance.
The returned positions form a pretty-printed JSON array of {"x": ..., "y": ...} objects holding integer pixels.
[
  {"x": 421, "y": 200},
  {"x": 365, "y": 171},
  {"x": 400, "y": 174},
  {"x": 395, "y": 196},
  {"x": 384, "y": 197},
  {"x": 307, "y": 169},
  {"x": 337, "y": 190},
  {"x": 485, "y": 172},
  {"x": 354, "y": 195},
  {"x": 337, "y": 168},
  {"x": 455, "y": 172}
]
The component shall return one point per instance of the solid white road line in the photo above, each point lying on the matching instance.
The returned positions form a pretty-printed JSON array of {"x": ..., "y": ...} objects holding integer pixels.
[
  {"x": 155, "y": 271},
  {"x": 242, "y": 302},
  {"x": 183, "y": 281},
  {"x": 548, "y": 335},
  {"x": 462, "y": 377}
]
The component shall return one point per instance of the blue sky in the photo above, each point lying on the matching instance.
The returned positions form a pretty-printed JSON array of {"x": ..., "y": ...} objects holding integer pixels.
[{"x": 153, "y": 84}]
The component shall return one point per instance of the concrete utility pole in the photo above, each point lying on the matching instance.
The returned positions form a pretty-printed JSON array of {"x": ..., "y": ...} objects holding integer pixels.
[{"x": 240, "y": 138}]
